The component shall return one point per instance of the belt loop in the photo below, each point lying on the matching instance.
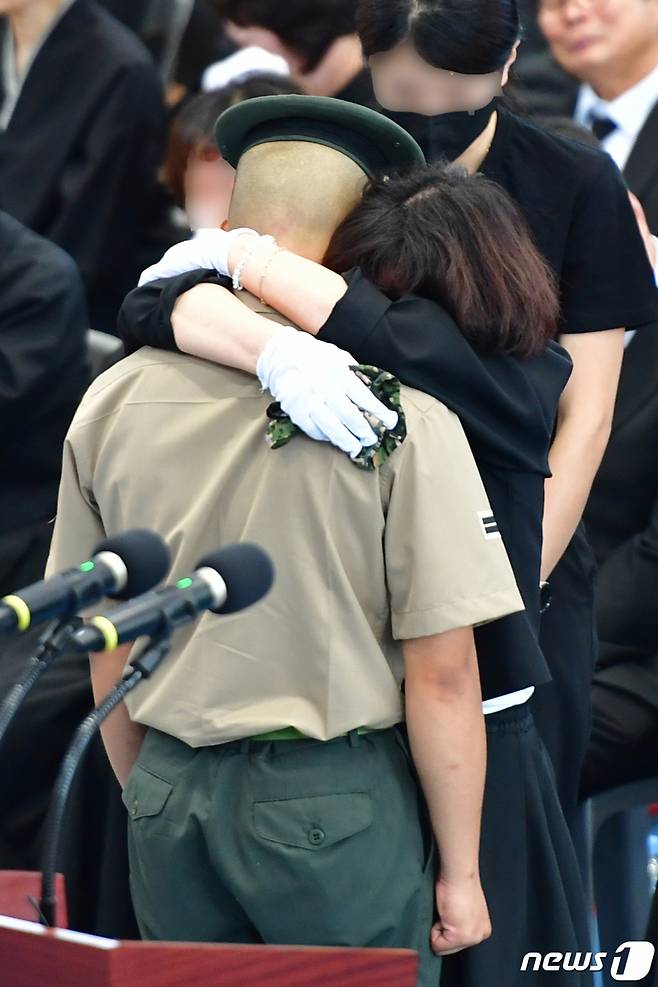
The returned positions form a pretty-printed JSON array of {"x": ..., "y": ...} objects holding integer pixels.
[
  {"x": 353, "y": 738},
  {"x": 245, "y": 745}
]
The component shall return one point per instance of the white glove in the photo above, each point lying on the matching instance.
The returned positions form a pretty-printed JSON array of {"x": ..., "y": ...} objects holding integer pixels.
[
  {"x": 206, "y": 249},
  {"x": 314, "y": 385}
]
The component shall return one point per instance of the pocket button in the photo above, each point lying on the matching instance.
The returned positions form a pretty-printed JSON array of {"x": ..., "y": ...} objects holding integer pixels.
[{"x": 316, "y": 836}]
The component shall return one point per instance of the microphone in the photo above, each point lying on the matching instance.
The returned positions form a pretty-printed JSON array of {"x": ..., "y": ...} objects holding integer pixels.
[
  {"x": 224, "y": 581},
  {"x": 121, "y": 567}
]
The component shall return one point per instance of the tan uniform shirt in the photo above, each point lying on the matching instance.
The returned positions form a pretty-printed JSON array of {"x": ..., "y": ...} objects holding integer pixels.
[{"x": 363, "y": 559}]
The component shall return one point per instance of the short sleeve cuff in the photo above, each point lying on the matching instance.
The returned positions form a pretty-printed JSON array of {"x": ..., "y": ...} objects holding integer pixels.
[
  {"x": 466, "y": 612},
  {"x": 601, "y": 321},
  {"x": 356, "y": 314}
]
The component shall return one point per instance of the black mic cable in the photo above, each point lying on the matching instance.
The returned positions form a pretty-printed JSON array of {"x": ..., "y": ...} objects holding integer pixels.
[
  {"x": 141, "y": 668},
  {"x": 51, "y": 644}
]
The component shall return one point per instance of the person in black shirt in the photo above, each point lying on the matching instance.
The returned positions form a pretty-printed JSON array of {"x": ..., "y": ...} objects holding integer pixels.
[{"x": 318, "y": 40}]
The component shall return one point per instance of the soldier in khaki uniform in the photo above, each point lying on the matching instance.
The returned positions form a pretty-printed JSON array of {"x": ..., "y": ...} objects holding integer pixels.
[{"x": 274, "y": 798}]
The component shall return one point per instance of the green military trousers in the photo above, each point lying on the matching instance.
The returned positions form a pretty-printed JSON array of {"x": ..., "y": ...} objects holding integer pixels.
[{"x": 282, "y": 842}]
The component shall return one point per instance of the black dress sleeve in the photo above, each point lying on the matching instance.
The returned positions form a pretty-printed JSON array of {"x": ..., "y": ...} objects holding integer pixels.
[
  {"x": 145, "y": 316},
  {"x": 606, "y": 281},
  {"x": 506, "y": 405}
]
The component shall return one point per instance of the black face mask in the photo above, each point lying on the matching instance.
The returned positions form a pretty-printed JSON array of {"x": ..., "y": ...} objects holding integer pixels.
[{"x": 447, "y": 135}]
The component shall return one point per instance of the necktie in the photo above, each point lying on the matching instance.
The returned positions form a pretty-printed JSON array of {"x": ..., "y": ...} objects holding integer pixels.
[{"x": 602, "y": 127}]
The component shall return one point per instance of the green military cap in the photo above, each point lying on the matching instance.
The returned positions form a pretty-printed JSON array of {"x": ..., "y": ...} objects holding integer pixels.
[{"x": 370, "y": 139}]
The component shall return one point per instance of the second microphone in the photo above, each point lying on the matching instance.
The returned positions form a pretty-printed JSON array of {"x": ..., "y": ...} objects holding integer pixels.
[{"x": 224, "y": 581}]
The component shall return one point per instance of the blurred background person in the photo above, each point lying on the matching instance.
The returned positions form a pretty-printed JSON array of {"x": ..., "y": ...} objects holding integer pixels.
[
  {"x": 81, "y": 170},
  {"x": 622, "y": 523},
  {"x": 318, "y": 41},
  {"x": 538, "y": 85},
  {"x": 204, "y": 41},
  {"x": 195, "y": 173},
  {"x": 183, "y": 38},
  {"x": 611, "y": 48},
  {"x": 43, "y": 373}
]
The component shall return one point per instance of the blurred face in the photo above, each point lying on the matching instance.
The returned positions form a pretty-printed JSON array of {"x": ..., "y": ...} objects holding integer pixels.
[
  {"x": 208, "y": 188},
  {"x": 403, "y": 81},
  {"x": 588, "y": 36}
]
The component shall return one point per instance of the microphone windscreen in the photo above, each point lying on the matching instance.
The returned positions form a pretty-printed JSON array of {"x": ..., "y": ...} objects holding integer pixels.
[
  {"x": 145, "y": 556},
  {"x": 247, "y": 571}
]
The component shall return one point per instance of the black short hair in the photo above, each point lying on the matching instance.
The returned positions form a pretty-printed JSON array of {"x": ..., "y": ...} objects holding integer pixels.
[
  {"x": 474, "y": 37},
  {"x": 307, "y": 27}
]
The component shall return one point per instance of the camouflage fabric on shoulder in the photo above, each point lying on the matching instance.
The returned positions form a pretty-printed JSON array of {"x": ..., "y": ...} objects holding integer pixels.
[{"x": 384, "y": 386}]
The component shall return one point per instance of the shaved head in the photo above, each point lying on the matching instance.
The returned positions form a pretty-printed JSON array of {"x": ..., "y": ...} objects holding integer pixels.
[{"x": 296, "y": 191}]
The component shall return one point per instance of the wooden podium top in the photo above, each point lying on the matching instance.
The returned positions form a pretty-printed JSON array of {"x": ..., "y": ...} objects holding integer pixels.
[{"x": 31, "y": 955}]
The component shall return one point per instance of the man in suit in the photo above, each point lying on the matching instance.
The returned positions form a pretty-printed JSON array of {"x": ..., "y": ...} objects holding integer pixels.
[
  {"x": 43, "y": 374},
  {"x": 81, "y": 168},
  {"x": 622, "y": 522},
  {"x": 612, "y": 49}
]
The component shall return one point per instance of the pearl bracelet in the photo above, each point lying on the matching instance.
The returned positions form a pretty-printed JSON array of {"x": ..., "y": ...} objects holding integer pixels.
[{"x": 246, "y": 257}]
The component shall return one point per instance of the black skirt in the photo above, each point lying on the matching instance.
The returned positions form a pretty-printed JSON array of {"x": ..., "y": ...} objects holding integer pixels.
[{"x": 528, "y": 865}]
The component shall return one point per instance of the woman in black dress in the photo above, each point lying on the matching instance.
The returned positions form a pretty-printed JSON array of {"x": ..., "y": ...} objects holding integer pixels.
[{"x": 446, "y": 57}]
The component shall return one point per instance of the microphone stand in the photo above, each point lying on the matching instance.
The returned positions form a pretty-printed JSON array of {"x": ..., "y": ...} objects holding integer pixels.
[
  {"x": 51, "y": 644},
  {"x": 141, "y": 667}
]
